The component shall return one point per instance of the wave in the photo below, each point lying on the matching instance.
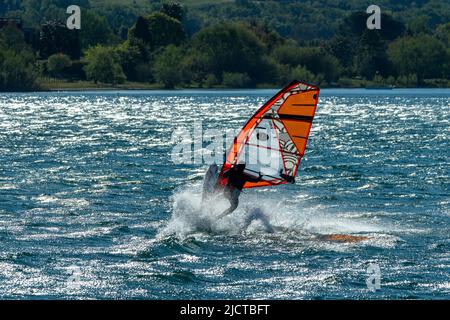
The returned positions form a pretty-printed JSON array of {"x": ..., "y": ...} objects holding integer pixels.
[{"x": 264, "y": 214}]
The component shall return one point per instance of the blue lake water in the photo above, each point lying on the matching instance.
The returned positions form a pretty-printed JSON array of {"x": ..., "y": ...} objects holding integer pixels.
[{"x": 92, "y": 206}]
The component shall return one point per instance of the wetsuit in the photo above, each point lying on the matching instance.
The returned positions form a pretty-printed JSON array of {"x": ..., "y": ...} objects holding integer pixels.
[
  {"x": 209, "y": 182},
  {"x": 236, "y": 181}
]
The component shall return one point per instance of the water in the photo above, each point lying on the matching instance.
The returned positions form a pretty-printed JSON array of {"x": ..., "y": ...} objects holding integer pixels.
[{"x": 91, "y": 205}]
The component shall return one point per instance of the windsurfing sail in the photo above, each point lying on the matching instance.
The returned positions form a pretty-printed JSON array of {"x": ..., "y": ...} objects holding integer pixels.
[{"x": 273, "y": 141}]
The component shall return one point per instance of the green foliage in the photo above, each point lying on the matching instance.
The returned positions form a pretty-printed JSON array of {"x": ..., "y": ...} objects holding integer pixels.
[
  {"x": 288, "y": 53},
  {"x": 94, "y": 30},
  {"x": 158, "y": 30},
  {"x": 120, "y": 17},
  {"x": 343, "y": 48},
  {"x": 57, "y": 63},
  {"x": 422, "y": 56},
  {"x": 264, "y": 42},
  {"x": 211, "y": 81},
  {"x": 235, "y": 80},
  {"x": 103, "y": 65},
  {"x": 354, "y": 26},
  {"x": 371, "y": 59},
  {"x": 362, "y": 51},
  {"x": 418, "y": 25},
  {"x": 228, "y": 48},
  {"x": 168, "y": 67},
  {"x": 196, "y": 69},
  {"x": 140, "y": 31},
  {"x": 174, "y": 10},
  {"x": 302, "y": 74},
  {"x": 144, "y": 72},
  {"x": 317, "y": 60},
  {"x": 75, "y": 71},
  {"x": 443, "y": 33},
  {"x": 56, "y": 38},
  {"x": 132, "y": 55},
  {"x": 16, "y": 62},
  {"x": 409, "y": 80}
]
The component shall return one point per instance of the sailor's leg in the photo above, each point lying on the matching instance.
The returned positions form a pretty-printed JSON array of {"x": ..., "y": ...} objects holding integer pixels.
[
  {"x": 233, "y": 197},
  {"x": 209, "y": 182}
]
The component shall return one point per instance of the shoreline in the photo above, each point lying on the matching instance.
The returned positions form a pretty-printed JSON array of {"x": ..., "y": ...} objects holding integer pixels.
[
  {"x": 99, "y": 89},
  {"x": 88, "y": 86},
  {"x": 109, "y": 89}
]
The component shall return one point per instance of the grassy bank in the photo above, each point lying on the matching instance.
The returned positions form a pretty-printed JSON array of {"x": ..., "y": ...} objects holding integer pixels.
[
  {"x": 64, "y": 85},
  {"x": 46, "y": 84}
]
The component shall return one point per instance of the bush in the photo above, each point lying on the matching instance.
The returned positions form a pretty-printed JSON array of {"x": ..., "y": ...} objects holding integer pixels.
[
  {"x": 302, "y": 74},
  {"x": 288, "y": 53},
  {"x": 157, "y": 30},
  {"x": 211, "y": 81},
  {"x": 133, "y": 55},
  {"x": 103, "y": 65},
  {"x": 345, "y": 82},
  {"x": 17, "y": 71},
  {"x": 168, "y": 67},
  {"x": 95, "y": 30},
  {"x": 235, "y": 80},
  {"x": 407, "y": 80},
  {"x": 76, "y": 70},
  {"x": 424, "y": 56},
  {"x": 229, "y": 48},
  {"x": 57, "y": 63},
  {"x": 144, "y": 72}
]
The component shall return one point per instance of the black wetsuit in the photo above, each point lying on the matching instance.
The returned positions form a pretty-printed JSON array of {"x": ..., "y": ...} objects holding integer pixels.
[{"x": 236, "y": 182}]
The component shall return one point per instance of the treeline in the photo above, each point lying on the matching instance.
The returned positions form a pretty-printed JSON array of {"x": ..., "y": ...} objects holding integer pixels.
[{"x": 158, "y": 49}]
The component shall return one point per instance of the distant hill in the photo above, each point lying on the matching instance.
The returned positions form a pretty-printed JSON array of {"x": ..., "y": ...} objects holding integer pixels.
[
  {"x": 228, "y": 43},
  {"x": 301, "y": 20}
]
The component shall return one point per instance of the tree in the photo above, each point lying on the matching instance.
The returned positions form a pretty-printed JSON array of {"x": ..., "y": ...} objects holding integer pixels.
[
  {"x": 443, "y": 33},
  {"x": 132, "y": 55},
  {"x": 343, "y": 49},
  {"x": 57, "y": 63},
  {"x": 103, "y": 65},
  {"x": 418, "y": 25},
  {"x": 140, "y": 30},
  {"x": 371, "y": 58},
  {"x": 229, "y": 48},
  {"x": 168, "y": 67},
  {"x": 174, "y": 10},
  {"x": 302, "y": 74},
  {"x": 56, "y": 38},
  {"x": 316, "y": 60},
  {"x": 288, "y": 53},
  {"x": 423, "y": 56},
  {"x": 361, "y": 50},
  {"x": 95, "y": 30},
  {"x": 355, "y": 26},
  {"x": 157, "y": 30},
  {"x": 16, "y": 62},
  {"x": 235, "y": 80}
]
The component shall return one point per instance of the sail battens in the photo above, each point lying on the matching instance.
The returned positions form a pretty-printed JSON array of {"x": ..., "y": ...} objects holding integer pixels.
[{"x": 273, "y": 141}]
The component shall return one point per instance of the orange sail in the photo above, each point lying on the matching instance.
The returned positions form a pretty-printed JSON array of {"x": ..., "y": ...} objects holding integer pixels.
[{"x": 273, "y": 141}]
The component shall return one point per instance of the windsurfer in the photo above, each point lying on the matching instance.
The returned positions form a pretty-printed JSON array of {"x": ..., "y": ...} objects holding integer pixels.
[
  {"x": 291, "y": 125},
  {"x": 236, "y": 181}
]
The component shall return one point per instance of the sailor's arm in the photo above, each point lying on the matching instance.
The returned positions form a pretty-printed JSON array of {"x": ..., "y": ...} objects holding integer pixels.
[
  {"x": 250, "y": 178},
  {"x": 226, "y": 174},
  {"x": 288, "y": 178}
]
